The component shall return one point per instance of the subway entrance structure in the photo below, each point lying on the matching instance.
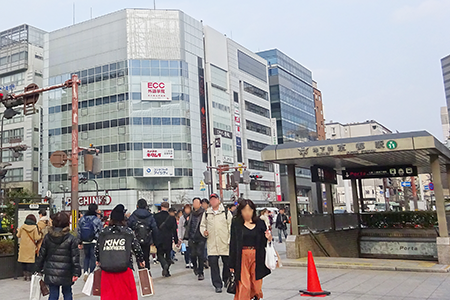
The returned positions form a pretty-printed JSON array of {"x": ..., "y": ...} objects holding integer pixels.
[{"x": 408, "y": 153}]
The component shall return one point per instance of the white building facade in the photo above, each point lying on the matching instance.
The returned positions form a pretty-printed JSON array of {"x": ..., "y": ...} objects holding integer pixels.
[
  {"x": 154, "y": 95},
  {"x": 21, "y": 63}
]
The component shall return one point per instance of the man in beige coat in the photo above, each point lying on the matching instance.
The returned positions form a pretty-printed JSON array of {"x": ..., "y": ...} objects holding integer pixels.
[{"x": 215, "y": 226}]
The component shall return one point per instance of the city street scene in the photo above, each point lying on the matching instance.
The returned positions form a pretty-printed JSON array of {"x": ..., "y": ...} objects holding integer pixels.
[{"x": 238, "y": 150}]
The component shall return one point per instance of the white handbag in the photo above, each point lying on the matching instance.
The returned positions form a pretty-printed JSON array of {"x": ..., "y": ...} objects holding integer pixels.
[
  {"x": 87, "y": 289},
  {"x": 271, "y": 256},
  {"x": 35, "y": 287}
]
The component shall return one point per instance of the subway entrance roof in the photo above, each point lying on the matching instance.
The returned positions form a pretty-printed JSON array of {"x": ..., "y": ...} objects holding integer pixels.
[{"x": 410, "y": 148}]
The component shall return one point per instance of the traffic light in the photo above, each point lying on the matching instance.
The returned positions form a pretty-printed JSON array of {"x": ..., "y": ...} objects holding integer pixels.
[
  {"x": 207, "y": 177},
  {"x": 4, "y": 94},
  {"x": 237, "y": 176},
  {"x": 246, "y": 177}
]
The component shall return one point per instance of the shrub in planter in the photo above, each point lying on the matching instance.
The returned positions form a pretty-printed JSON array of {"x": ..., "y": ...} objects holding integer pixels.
[{"x": 6, "y": 247}]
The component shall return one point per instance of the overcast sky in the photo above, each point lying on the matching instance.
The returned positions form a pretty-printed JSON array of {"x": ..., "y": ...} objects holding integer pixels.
[{"x": 377, "y": 59}]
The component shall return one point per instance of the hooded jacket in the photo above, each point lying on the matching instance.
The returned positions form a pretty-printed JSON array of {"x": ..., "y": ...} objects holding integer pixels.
[
  {"x": 147, "y": 218},
  {"x": 59, "y": 258},
  {"x": 29, "y": 235}
]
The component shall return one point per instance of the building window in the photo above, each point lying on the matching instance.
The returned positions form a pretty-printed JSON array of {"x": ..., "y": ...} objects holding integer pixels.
[
  {"x": 13, "y": 135},
  {"x": 254, "y": 145},
  {"x": 259, "y": 110},
  {"x": 262, "y": 185},
  {"x": 222, "y": 107},
  {"x": 14, "y": 175},
  {"x": 252, "y": 66},
  {"x": 249, "y": 88},
  {"x": 258, "y": 128},
  {"x": 260, "y": 165}
]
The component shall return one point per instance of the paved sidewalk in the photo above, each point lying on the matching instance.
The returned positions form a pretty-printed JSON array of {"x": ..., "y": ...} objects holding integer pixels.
[
  {"x": 282, "y": 284},
  {"x": 370, "y": 264}
]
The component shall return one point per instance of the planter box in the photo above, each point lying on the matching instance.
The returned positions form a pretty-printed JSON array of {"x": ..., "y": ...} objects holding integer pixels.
[
  {"x": 7, "y": 263},
  {"x": 398, "y": 243}
]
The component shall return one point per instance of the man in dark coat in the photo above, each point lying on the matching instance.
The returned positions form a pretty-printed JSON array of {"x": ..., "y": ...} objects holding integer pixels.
[
  {"x": 196, "y": 240},
  {"x": 167, "y": 226},
  {"x": 281, "y": 225},
  {"x": 142, "y": 220},
  {"x": 59, "y": 258}
]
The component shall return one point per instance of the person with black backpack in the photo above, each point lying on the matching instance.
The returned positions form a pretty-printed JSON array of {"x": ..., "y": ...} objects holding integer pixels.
[
  {"x": 144, "y": 226},
  {"x": 114, "y": 249},
  {"x": 88, "y": 229}
]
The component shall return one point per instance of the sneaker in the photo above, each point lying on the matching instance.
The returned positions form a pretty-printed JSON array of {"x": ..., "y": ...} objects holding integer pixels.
[
  {"x": 85, "y": 276},
  {"x": 195, "y": 272},
  {"x": 155, "y": 262},
  {"x": 188, "y": 266},
  {"x": 191, "y": 265},
  {"x": 201, "y": 277},
  {"x": 218, "y": 290}
]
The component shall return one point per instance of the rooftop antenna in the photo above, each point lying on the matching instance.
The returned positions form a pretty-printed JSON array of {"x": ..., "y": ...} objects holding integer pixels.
[
  {"x": 91, "y": 13},
  {"x": 74, "y": 13},
  {"x": 154, "y": 4}
]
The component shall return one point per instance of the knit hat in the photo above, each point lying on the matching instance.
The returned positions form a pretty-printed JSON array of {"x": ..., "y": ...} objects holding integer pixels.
[{"x": 118, "y": 213}]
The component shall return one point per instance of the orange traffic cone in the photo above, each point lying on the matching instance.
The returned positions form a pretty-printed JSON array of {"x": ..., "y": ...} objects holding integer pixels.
[{"x": 314, "y": 288}]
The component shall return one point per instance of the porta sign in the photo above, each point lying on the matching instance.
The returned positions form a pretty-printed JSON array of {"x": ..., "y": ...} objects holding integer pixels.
[
  {"x": 159, "y": 171},
  {"x": 156, "y": 91},
  {"x": 158, "y": 153}
]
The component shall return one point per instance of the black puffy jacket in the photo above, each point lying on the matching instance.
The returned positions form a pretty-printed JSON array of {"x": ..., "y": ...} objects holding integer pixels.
[{"x": 59, "y": 257}]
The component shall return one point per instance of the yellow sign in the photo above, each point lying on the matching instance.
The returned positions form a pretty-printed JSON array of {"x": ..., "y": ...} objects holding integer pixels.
[
  {"x": 202, "y": 185},
  {"x": 241, "y": 170}
]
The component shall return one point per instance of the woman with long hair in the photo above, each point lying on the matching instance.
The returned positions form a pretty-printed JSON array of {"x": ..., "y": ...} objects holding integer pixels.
[
  {"x": 249, "y": 236},
  {"x": 29, "y": 236}
]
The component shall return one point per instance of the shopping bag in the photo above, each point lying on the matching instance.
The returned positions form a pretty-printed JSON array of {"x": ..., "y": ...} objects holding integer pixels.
[
  {"x": 183, "y": 247},
  {"x": 153, "y": 249},
  {"x": 97, "y": 282},
  {"x": 35, "y": 287},
  {"x": 271, "y": 256},
  {"x": 87, "y": 289},
  {"x": 44, "y": 288},
  {"x": 145, "y": 283}
]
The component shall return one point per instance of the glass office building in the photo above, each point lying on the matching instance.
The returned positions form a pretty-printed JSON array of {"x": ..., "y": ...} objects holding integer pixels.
[
  {"x": 291, "y": 97},
  {"x": 117, "y": 57},
  {"x": 292, "y": 105}
]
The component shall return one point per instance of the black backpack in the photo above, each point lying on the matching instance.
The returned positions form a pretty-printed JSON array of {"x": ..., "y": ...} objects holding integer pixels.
[
  {"x": 143, "y": 232},
  {"x": 114, "y": 251}
]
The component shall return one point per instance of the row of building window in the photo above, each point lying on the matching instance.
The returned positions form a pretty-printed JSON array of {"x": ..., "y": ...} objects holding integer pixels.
[
  {"x": 220, "y": 106},
  {"x": 137, "y": 172},
  {"x": 139, "y": 146},
  {"x": 260, "y": 165},
  {"x": 256, "y": 127},
  {"x": 90, "y": 126},
  {"x": 159, "y": 68},
  {"x": 251, "y": 66},
  {"x": 117, "y": 69},
  {"x": 161, "y": 121},
  {"x": 14, "y": 175},
  {"x": 89, "y": 103},
  {"x": 249, "y": 88},
  {"x": 13, "y": 58},
  {"x": 259, "y": 110},
  {"x": 13, "y": 135},
  {"x": 254, "y": 145}
]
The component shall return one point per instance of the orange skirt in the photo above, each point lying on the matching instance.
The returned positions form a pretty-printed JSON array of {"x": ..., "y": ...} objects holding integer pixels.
[{"x": 248, "y": 287}]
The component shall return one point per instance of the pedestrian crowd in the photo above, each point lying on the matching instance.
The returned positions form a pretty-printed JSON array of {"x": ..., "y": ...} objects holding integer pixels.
[{"x": 205, "y": 232}]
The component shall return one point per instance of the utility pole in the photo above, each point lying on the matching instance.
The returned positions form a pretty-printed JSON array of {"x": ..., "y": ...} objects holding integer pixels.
[{"x": 28, "y": 99}]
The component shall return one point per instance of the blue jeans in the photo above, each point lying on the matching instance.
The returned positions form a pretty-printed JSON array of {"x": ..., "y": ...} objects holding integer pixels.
[
  {"x": 54, "y": 292},
  {"x": 187, "y": 255},
  {"x": 89, "y": 258},
  {"x": 284, "y": 231}
]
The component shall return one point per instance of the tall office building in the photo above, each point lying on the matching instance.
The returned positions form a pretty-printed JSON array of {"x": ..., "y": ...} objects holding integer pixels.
[
  {"x": 21, "y": 63},
  {"x": 157, "y": 90},
  {"x": 445, "y": 64},
  {"x": 293, "y": 107},
  {"x": 445, "y": 124},
  {"x": 237, "y": 82}
]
